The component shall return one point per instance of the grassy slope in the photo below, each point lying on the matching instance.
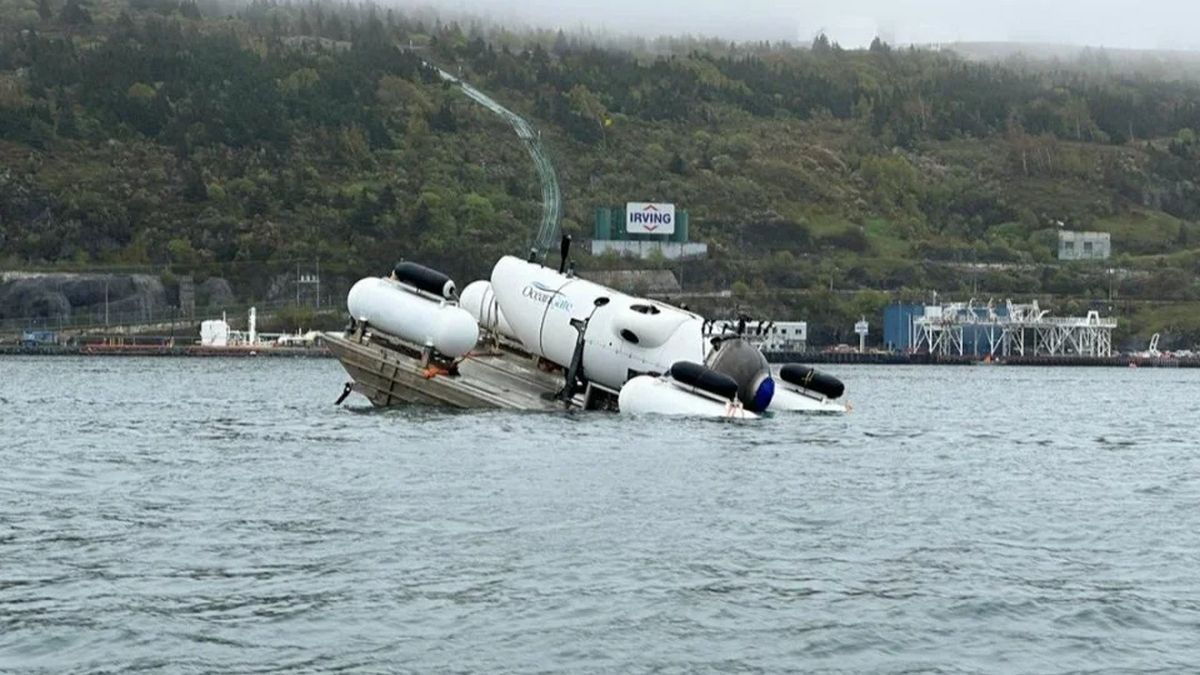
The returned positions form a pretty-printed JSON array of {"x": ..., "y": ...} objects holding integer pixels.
[{"x": 774, "y": 197}]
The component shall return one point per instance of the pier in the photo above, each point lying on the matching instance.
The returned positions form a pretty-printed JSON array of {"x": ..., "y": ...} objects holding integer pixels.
[
  {"x": 1011, "y": 330},
  {"x": 925, "y": 359}
]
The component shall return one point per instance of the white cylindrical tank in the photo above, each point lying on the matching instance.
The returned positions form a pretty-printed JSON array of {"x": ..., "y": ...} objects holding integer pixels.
[
  {"x": 646, "y": 395},
  {"x": 390, "y": 307},
  {"x": 788, "y": 399},
  {"x": 214, "y": 333},
  {"x": 625, "y": 334},
  {"x": 479, "y": 299}
]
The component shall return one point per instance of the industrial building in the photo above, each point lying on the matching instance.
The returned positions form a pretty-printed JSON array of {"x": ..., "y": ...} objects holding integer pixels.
[
  {"x": 1084, "y": 245},
  {"x": 785, "y": 336},
  {"x": 770, "y": 336},
  {"x": 960, "y": 329},
  {"x": 642, "y": 229},
  {"x": 897, "y": 325}
]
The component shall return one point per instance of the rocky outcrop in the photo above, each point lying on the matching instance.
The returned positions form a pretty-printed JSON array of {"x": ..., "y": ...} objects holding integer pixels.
[
  {"x": 63, "y": 297},
  {"x": 214, "y": 292}
]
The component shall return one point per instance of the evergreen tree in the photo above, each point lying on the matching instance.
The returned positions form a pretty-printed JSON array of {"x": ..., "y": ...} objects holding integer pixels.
[
  {"x": 67, "y": 126},
  {"x": 75, "y": 13},
  {"x": 194, "y": 189},
  {"x": 560, "y": 46},
  {"x": 125, "y": 23},
  {"x": 334, "y": 29},
  {"x": 190, "y": 10},
  {"x": 443, "y": 120}
]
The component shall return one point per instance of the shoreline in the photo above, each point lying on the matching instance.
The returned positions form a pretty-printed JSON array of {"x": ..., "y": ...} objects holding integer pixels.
[
  {"x": 876, "y": 358},
  {"x": 840, "y": 358},
  {"x": 179, "y": 351}
]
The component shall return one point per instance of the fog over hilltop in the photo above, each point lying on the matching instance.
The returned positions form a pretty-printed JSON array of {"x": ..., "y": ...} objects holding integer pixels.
[{"x": 1151, "y": 24}]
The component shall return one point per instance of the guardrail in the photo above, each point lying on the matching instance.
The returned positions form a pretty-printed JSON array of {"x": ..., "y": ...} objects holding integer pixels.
[{"x": 97, "y": 318}]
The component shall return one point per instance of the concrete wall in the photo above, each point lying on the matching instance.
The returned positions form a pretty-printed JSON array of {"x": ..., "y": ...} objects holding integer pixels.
[
  {"x": 637, "y": 282},
  {"x": 643, "y": 249},
  {"x": 1084, "y": 245}
]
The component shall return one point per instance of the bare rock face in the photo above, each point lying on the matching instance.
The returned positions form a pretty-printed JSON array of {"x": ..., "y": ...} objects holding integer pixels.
[
  {"x": 24, "y": 299},
  {"x": 214, "y": 292},
  {"x": 282, "y": 287},
  {"x": 62, "y": 297}
]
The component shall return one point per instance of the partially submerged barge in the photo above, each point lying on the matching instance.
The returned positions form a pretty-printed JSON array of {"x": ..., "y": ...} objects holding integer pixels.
[
  {"x": 388, "y": 374},
  {"x": 536, "y": 338}
]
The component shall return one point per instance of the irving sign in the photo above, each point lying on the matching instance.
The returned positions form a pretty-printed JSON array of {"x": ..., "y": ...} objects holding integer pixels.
[{"x": 644, "y": 218}]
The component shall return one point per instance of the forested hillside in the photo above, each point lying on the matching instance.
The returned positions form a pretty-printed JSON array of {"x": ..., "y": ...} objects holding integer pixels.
[{"x": 233, "y": 140}]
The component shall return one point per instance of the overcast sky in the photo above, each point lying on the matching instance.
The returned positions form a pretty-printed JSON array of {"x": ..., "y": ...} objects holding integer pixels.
[{"x": 1141, "y": 24}]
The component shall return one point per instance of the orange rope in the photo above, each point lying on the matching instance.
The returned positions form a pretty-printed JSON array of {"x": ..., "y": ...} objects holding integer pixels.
[{"x": 433, "y": 371}]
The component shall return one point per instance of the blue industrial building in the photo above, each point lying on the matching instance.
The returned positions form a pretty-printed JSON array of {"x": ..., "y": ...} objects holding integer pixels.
[
  {"x": 898, "y": 321},
  {"x": 897, "y": 325}
]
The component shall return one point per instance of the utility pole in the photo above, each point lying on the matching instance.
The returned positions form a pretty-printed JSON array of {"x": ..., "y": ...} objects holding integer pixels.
[{"x": 312, "y": 280}]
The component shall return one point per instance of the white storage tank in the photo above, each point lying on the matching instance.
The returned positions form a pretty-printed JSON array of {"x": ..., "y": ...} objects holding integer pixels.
[
  {"x": 214, "y": 333},
  {"x": 479, "y": 299},
  {"x": 420, "y": 319}
]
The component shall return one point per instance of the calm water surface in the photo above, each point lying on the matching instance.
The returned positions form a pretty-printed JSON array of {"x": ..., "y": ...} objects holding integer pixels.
[{"x": 223, "y": 515}]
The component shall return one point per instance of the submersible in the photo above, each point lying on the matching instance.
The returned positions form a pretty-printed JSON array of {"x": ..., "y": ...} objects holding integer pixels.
[{"x": 557, "y": 340}]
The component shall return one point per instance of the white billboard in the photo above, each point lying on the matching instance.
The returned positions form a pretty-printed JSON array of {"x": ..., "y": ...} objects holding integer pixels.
[{"x": 649, "y": 218}]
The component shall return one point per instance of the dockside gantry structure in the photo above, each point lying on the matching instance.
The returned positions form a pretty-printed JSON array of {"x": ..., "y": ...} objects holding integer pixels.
[{"x": 1014, "y": 330}]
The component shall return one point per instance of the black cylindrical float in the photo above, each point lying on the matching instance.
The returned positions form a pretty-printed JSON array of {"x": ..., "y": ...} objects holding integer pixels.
[
  {"x": 425, "y": 279},
  {"x": 696, "y": 375},
  {"x": 812, "y": 379}
]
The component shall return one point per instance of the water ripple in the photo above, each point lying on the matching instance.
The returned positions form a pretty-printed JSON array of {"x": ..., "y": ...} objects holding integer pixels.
[{"x": 223, "y": 516}]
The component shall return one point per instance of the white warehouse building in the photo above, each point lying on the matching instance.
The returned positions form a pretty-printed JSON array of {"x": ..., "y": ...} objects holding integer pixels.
[
  {"x": 770, "y": 336},
  {"x": 785, "y": 336}
]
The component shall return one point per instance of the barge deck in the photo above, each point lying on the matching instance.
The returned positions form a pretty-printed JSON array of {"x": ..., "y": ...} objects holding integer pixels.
[{"x": 495, "y": 377}]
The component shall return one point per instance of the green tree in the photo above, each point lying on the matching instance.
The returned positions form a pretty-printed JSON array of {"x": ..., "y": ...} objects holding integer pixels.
[
  {"x": 587, "y": 107},
  {"x": 75, "y": 13}
]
